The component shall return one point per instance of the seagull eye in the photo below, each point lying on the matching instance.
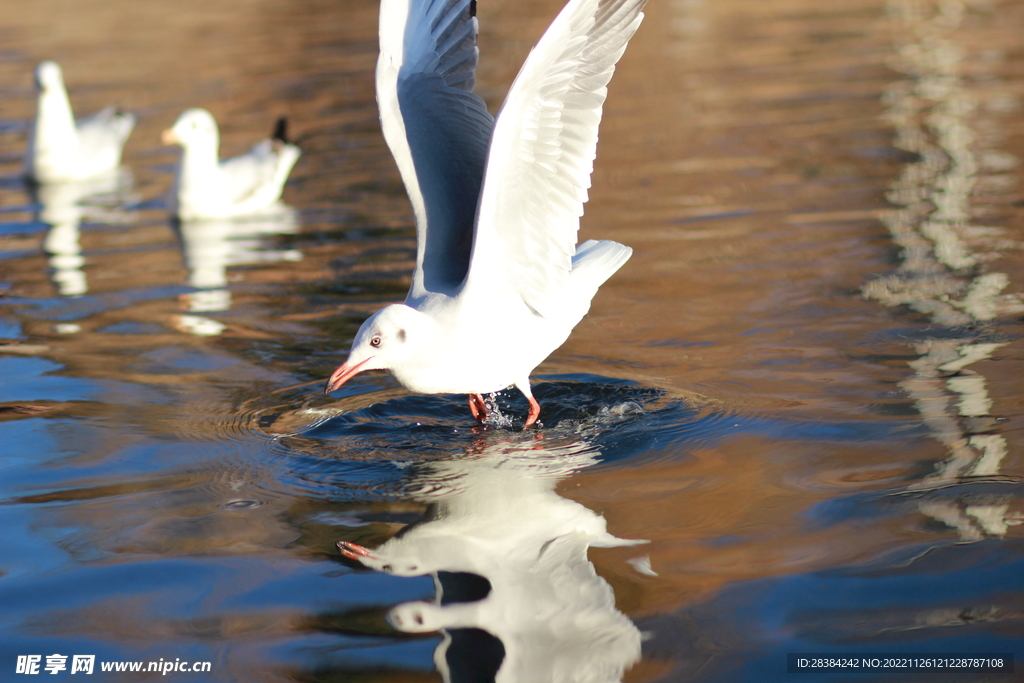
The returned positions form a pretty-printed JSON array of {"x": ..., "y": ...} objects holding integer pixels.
[{"x": 375, "y": 342}]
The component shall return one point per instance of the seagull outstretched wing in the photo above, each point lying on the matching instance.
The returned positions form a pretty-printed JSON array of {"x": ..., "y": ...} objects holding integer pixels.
[
  {"x": 542, "y": 153},
  {"x": 437, "y": 129}
]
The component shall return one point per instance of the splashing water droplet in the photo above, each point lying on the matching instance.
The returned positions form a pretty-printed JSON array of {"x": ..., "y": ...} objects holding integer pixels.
[
  {"x": 495, "y": 418},
  {"x": 627, "y": 408}
]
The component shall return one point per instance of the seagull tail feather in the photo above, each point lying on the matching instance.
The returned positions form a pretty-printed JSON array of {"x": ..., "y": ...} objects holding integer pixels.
[
  {"x": 594, "y": 262},
  {"x": 281, "y": 131}
]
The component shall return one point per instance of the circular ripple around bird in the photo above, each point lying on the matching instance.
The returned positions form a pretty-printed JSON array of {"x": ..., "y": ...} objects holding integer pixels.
[
  {"x": 294, "y": 441},
  {"x": 393, "y": 427}
]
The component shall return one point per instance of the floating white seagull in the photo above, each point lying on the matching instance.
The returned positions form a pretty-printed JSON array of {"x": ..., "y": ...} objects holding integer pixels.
[
  {"x": 206, "y": 187},
  {"x": 499, "y": 281},
  {"x": 61, "y": 149}
]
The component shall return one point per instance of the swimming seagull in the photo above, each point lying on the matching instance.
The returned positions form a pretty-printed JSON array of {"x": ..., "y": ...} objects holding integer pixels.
[
  {"x": 206, "y": 187},
  {"x": 499, "y": 282},
  {"x": 61, "y": 149}
]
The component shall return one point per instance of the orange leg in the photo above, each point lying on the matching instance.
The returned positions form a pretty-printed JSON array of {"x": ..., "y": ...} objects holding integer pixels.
[
  {"x": 534, "y": 413},
  {"x": 478, "y": 407}
]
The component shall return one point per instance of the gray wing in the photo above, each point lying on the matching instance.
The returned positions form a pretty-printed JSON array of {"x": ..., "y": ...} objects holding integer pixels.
[
  {"x": 248, "y": 175},
  {"x": 436, "y": 128}
]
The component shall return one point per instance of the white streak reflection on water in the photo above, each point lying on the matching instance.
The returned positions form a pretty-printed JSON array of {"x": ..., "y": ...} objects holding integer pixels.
[{"x": 936, "y": 117}]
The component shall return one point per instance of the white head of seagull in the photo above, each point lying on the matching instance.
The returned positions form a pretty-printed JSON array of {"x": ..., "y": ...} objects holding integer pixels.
[
  {"x": 49, "y": 76},
  {"x": 497, "y": 202},
  {"x": 391, "y": 339},
  {"x": 194, "y": 129}
]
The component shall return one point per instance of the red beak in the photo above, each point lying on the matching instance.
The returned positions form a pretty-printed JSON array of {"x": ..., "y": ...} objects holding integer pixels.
[
  {"x": 353, "y": 551},
  {"x": 343, "y": 374}
]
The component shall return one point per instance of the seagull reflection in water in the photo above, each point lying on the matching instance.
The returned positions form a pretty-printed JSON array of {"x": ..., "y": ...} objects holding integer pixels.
[
  {"x": 209, "y": 247},
  {"x": 517, "y": 599},
  {"x": 63, "y": 206}
]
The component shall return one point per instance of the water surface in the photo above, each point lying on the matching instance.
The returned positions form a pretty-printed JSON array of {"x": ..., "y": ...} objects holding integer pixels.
[{"x": 803, "y": 391}]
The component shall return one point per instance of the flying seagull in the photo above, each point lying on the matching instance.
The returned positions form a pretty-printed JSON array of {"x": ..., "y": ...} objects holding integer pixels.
[{"x": 499, "y": 281}]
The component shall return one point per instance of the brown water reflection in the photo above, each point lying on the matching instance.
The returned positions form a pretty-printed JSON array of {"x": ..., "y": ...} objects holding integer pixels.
[{"x": 825, "y": 208}]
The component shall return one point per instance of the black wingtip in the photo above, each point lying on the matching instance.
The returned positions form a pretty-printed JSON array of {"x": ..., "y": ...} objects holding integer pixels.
[
  {"x": 281, "y": 130},
  {"x": 472, "y": 8}
]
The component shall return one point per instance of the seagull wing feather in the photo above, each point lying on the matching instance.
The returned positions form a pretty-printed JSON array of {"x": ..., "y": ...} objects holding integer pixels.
[
  {"x": 101, "y": 138},
  {"x": 436, "y": 128},
  {"x": 542, "y": 153}
]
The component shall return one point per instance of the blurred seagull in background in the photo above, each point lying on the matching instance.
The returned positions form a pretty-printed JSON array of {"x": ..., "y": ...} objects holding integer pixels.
[
  {"x": 61, "y": 149},
  {"x": 499, "y": 281},
  {"x": 206, "y": 187}
]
